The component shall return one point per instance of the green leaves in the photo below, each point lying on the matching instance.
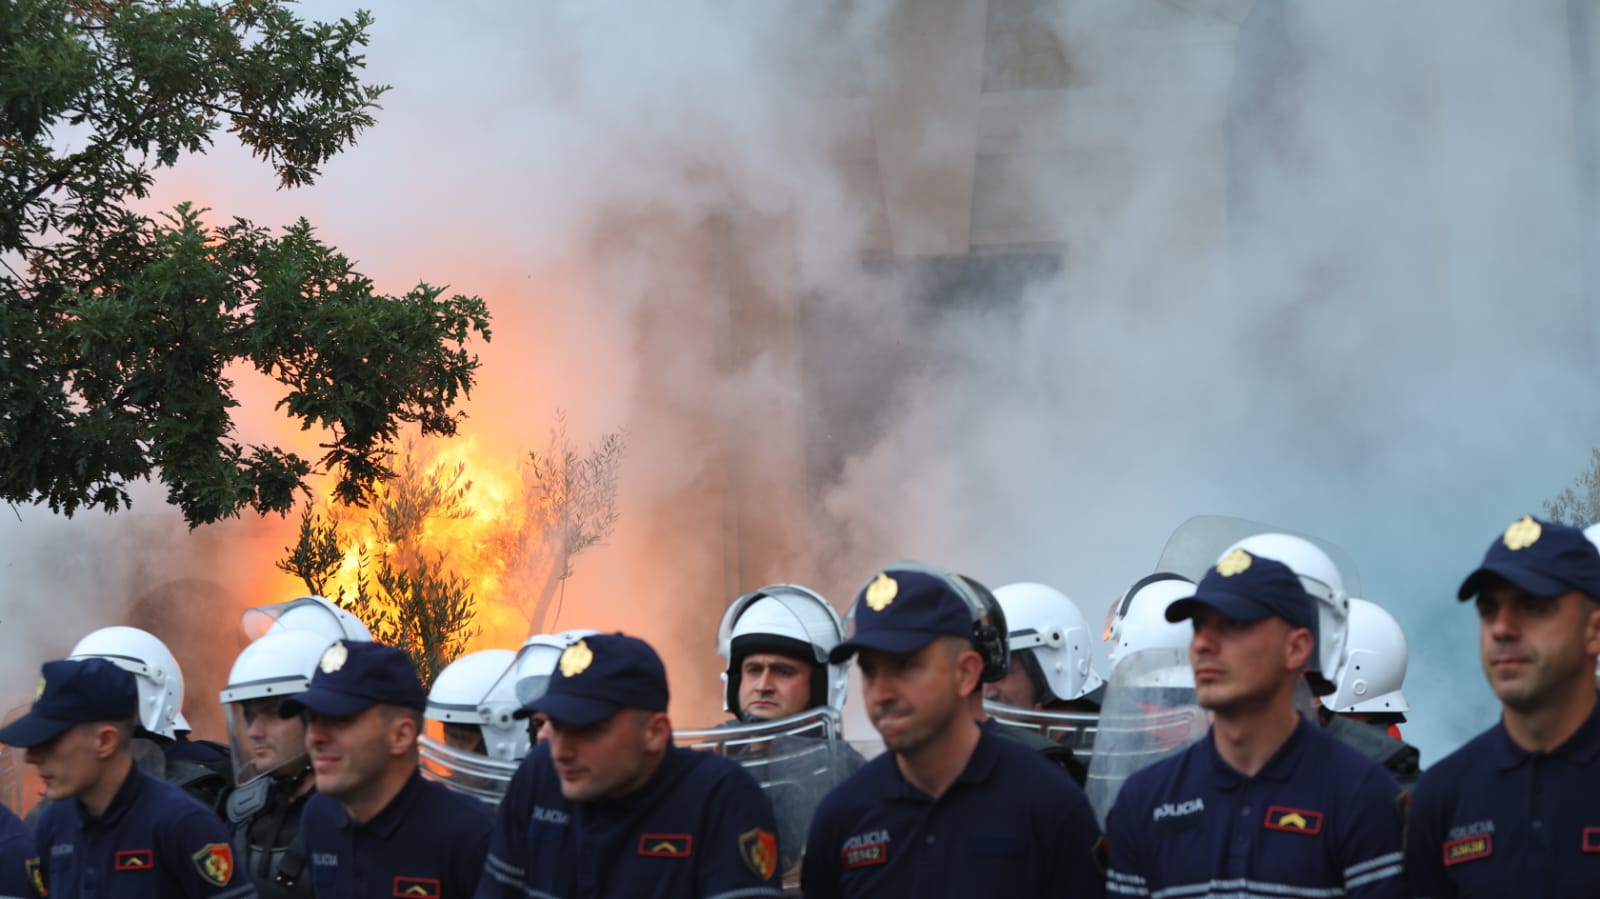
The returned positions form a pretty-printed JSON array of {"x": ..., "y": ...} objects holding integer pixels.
[{"x": 117, "y": 331}]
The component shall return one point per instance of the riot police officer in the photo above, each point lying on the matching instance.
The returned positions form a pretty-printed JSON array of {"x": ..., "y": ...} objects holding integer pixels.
[
  {"x": 1366, "y": 706},
  {"x": 607, "y": 806},
  {"x": 1052, "y": 652},
  {"x": 111, "y": 830},
  {"x": 1511, "y": 813}
]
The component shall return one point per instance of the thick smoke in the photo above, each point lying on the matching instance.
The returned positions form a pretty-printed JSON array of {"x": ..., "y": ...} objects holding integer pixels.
[{"x": 1314, "y": 264}]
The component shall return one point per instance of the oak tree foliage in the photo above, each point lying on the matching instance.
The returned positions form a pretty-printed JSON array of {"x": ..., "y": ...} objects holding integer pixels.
[{"x": 119, "y": 329}]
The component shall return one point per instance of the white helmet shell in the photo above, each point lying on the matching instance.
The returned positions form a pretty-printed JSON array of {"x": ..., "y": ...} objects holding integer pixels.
[
  {"x": 526, "y": 678},
  {"x": 797, "y": 620},
  {"x": 1375, "y": 663},
  {"x": 278, "y": 665},
  {"x": 307, "y": 613},
  {"x": 1140, "y": 622},
  {"x": 1045, "y": 623},
  {"x": 154, "y": 670},
  {"x": 1322, "y": 579},
  {"x": 462, "y": 689}
]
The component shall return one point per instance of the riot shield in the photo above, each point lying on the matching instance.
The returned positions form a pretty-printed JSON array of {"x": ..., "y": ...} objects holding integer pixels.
[
  {"x": 1074, "y": 730},
  {"x": 1149, "y": 712},
  {"x": 475, "y": 775},
  {"x": 796, "y": 760},
  {"x": 1197, "y": 544}
]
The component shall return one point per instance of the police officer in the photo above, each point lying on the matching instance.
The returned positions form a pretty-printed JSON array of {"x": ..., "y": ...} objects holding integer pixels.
[
  {"x": 1512, "y": 813},
  {"x": 952, "y": 808},
  {"x": 1366, "y": 708},
  {"x": 375, "y": 827},
  {"x": 272, "y": 771},
  {"x": 1052, "y": 652},
  {"x": 16, "y": 848},
  {"x": 1267, "y": 804},
  {"x": 454, "y": 701},
  {"x": 607, "y": 806},
  {"x": 123, "y": 834}
]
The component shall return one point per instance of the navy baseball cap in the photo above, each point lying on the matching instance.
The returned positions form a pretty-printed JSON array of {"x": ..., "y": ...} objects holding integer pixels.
[
  {"x": 903, "y": 609},
  {"x": 1542, "y": 557},
  {"x": 355, "y": 675},
  {"x": 599, "y": 676},
  {"x": 1247, "y": 587},
  {"x": 71, "y": 692}
]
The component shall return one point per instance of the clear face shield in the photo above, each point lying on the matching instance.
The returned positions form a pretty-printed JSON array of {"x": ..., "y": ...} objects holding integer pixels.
[
  {"x": 306, "y": 613},
  {"x": 471, "y": 773},
  {"x": 1149, "y": 712},
  {"x": 1074, "y": 730},
  {"x": 797, "y": 760},
  {"x": 263, "y": 744}
]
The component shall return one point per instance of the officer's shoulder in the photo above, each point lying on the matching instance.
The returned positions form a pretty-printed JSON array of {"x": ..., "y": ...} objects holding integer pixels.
[
  {"x": 443, "y": 801},
  {"x": 1146, "y": 785},
  {"x": 1469, "y": 761},
  {"x": 707, "y": 768}
]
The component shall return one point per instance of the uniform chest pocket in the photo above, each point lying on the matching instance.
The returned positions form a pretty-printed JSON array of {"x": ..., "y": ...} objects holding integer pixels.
[{"x": 998, "y": 845}]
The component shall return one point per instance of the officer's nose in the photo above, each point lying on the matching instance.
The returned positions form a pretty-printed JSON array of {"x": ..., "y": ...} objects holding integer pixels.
[{"x": 762, "y": 682}]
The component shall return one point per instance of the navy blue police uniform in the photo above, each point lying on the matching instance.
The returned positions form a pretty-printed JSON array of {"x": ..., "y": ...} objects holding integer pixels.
[
  {"x": 151, "y": 841},
  {"x": 1011, "y": 823},
  {"x": 698, "y": 827},
  {"x": 1493, "y": 818},
  {"x": 16, "y": 848},
  {"x": 1318, "y": 819},
  {"x": 427, "y": 841}
]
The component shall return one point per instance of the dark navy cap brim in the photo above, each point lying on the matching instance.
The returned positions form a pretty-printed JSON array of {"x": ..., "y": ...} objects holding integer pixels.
[
  {"x": 894, "y": 641},
  {"x": 332, "y": 703},
  {"x": 33, "y": 730},
  {"x": 568, "y": 709},
  {"x": 1238, "y": 608},
  {"x": 1532, "y": 581}
]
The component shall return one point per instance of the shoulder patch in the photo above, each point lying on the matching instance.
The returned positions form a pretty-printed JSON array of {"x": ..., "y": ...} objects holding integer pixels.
[
  {"x": 36, "y": 877},
  {"x": 1466, "y": 849},
  {"x": 759, "y": 849},
  {"x": 133, "y": 860},
  {"x": 214, "y": 861},
  {"x": 1293, "y": 820},
  {"x": 666, "y": 845},
  {"x": 406, "y": 887}
]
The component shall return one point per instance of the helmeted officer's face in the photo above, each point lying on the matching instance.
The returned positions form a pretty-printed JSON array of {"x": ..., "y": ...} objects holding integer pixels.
[
  {"x": 609, "y": 759},
  {"x": 72, "y": 764},
  {"x": 350, "y": 756},
  {"x": 1015, "y": 689},
  {"x": 1240, "y": 667},
  {"x": 774, "y": 686},
  {"x": 1536, "y": 650},
  {"x": 915, "y": 699},
  {"x": 272, "y": 741}
]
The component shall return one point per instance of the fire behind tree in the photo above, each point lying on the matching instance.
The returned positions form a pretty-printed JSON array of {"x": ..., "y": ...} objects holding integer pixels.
[{"x": 454, "y": 544}]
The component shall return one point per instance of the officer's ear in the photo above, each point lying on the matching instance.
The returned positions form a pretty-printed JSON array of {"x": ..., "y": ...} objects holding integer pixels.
[
  {"x": 657, "y": 729},
  {"x": 403, "y": 726},
  {"x": 1591, "y": 632},
  {"x": 1300, "y": 646}
]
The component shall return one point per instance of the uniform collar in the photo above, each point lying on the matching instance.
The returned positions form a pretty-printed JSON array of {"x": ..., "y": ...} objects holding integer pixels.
[
  {"x": 977, "y": 770},
  {"x": 127, "y": 794},
  {"x": 1580, "y": 749},
  {"x": 386, "y": 822},
  {"x": 1279, "y": 767}
]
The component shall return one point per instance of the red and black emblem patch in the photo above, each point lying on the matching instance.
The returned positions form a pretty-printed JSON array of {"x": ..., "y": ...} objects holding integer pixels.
[
  {"x": 1468, "y": 849},
  {"x": 1293, "y": 820},
  {"x": 1591, "y": 839},
  {"x": 214, "y": 861},
  {"x": 865, "y": 855},
  {"x": 134, "y": 860},
  {"x": 416, "y": 886},
  {"x": 666, "y": 845},
  {"x": 759, "y": 848}
]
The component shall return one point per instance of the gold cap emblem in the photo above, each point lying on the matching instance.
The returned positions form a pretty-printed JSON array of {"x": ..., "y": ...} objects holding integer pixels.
[
  {"x": 38, "y": 689},
  {"x": 575, "y": 659},
  {"x": 333, "y": 658},
  {"x": 1523, "y": 533},
  {"x": 1236, "y": 562},
  {"x": 881, "y": 592}
]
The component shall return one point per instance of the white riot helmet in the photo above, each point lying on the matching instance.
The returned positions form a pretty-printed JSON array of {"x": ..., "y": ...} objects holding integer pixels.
[
  {"x": 278, "y": 665},
  {"x": 527, "y": 677},
  {"x": 462, "y": 688},
  {"x": 307, "y": 613},
  {"x": 154, "y": 669},
  {"x": 1374, "y": 665},
  {"x": 788, "y": 620},
  {"x": 1054, "y": 640},
  {"x": 1140, "y": 622},
  {"x": 1323, "y": 580}
]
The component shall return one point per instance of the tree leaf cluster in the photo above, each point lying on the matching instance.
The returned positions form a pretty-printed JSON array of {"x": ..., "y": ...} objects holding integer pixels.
[{"x": 120, "y": 332}]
